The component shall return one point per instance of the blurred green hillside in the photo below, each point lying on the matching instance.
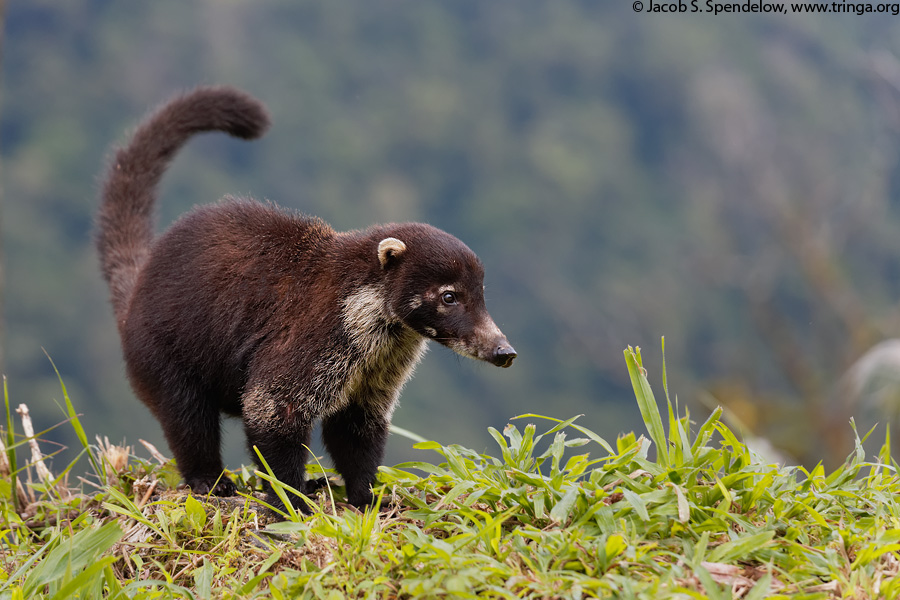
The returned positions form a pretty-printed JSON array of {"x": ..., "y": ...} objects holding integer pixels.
[{"x": 730, "y": 182}]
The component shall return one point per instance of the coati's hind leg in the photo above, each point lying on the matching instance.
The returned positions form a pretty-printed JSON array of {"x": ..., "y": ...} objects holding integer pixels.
[
  {"x": 355, "y": 437},
  {"x": 192, "y": 426}
]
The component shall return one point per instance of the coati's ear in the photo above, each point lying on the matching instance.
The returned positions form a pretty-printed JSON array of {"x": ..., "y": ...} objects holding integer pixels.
[{"x": 389, "y": 249}]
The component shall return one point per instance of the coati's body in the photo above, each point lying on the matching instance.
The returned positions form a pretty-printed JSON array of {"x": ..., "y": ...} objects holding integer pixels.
[{"x": 244, "y": 309}]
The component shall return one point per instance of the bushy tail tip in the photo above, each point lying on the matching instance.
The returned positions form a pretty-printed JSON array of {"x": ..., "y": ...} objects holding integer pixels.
[{"x": 124, "y": 222}]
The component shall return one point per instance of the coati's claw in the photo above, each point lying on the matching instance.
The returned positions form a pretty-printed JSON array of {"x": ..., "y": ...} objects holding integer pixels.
[
  {"x": 277, "y": 505},
  {"x": 314, "y": 485},
  {"x": 224, "y": 487},
  {"x": 364, "y": 501}
]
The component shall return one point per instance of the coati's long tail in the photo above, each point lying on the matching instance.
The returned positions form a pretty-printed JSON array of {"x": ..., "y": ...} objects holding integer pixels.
[{"x": 125, "y": 220}]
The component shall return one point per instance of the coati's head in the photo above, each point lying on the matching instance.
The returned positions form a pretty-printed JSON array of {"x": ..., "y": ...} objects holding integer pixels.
[{"x": 435, "y": 285}]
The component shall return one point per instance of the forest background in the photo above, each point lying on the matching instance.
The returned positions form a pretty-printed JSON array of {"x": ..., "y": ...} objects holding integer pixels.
[{"x": 730, "y": 182}]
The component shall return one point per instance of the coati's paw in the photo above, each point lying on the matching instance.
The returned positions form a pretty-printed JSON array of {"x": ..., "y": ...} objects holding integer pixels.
[
  {"x": 363, "y": 499},
  {"x": 298, "y": 503},
  {"x": 309, "y": 489},
  {"x": 225, "y": 487},
  {"x": 203, "y": 487},
  {"x": 311, "y": 486}
]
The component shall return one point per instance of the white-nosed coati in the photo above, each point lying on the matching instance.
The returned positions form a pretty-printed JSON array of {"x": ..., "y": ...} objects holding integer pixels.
[{"x": 244, "y": 309}]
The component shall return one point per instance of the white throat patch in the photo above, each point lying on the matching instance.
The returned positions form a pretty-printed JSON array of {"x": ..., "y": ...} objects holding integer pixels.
[{"x": 387, "y": 360}]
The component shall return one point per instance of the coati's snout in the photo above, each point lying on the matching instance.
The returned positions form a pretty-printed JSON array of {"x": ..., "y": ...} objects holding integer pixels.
[
  {"x": 504, "y": 354},
  {"x": 443, "y": 295},
  {"x": 488, "y": 344},
  {"x": 484, "y": 340}
]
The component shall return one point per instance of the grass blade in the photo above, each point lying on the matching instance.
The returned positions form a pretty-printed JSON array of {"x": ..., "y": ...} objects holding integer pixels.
[
  {"x": 742, "y": 547},
  {"x": 647, "y": 403},
  {"x": 76, "y": 423},
  {"x": 11, "y": 449}
]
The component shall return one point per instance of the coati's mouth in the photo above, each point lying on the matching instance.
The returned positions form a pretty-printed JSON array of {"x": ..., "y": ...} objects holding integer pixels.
[{"x": 499, "y": 354}]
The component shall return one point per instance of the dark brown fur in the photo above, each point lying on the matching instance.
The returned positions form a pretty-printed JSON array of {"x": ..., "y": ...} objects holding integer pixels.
[{"x": 244, "y": 309}]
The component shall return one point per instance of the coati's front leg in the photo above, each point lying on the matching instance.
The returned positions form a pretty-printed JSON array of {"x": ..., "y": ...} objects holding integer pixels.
[
  {"x": 286, "y": 453},
  {"x": 281, "y": 432},
  {"x": 355, "y": 437}
]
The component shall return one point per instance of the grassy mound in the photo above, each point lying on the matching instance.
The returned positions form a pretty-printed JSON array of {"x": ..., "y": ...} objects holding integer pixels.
[{"x": 557, "y": 514}]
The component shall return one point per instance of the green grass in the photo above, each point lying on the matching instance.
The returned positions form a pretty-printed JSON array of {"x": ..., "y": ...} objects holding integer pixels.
[{"x": 555, "y": 512}]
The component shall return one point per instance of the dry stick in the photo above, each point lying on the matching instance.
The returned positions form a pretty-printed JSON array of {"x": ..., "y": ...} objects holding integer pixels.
[
  {"x": 5, "y": 469},
  {"x": 148, "y": 493},
  {"x": 154, "y": 452},
  {"x": 37, "y": 458},
  {"x": 6, "y": 472}
]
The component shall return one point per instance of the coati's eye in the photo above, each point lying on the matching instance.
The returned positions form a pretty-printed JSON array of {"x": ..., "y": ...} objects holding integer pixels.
[{"x": 448, "y": 298}]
